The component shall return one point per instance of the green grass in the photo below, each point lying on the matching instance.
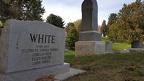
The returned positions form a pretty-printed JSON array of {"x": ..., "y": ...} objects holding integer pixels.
[
  {"x": 118, "y": 46},
  {"x": 105, "y": 39},
  {"x": 108, "y": 67}
]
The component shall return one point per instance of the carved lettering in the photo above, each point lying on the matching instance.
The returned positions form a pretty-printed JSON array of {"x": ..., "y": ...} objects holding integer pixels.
[{"x": 39, "y": 38}]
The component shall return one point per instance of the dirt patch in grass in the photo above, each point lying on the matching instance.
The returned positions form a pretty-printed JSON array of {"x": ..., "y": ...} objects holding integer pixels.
[{"x": 46, "y": 78}]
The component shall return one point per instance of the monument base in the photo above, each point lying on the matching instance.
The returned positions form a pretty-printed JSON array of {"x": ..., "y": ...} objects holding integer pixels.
[
  {"x": 88, "y": 48},
  {"x": 33, "y": 74},
  {"x": 90, "y": 36}
]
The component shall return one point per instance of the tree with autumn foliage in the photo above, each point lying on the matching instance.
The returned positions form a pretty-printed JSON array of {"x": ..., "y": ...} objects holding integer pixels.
[{"x": 104, "y": 28}]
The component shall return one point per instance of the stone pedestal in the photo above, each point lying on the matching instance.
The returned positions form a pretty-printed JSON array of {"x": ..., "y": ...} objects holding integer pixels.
[{"x": 88, "y": 48}]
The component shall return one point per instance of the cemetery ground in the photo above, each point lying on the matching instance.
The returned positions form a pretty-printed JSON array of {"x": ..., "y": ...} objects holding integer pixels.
[{"x": 108, "y": 67}]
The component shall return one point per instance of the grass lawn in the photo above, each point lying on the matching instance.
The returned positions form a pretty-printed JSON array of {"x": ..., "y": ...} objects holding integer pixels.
[
  {"x": 118, "y": 46},
  {"x": 108, "y": 67}
]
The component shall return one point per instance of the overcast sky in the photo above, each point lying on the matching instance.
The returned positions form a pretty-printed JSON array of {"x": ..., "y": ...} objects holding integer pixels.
[{"x": 70, "y": 10}]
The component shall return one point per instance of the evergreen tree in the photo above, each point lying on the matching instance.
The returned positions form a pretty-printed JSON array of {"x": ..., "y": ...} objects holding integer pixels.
[
  {"x": 55, "y": 20},
  {"x": 130, "y": 23},
  {"x": 114, "y": 33},
  {"x": 111, "y": 19},
  {"x": 33, "y": 10},
  {"x": 21, "y": 10}
]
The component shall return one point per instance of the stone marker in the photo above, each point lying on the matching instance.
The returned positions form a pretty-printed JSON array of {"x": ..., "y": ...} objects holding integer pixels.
[
  {"x": 31, "y": 49},
  {"x": 108, "y": 47},
  {"x": 89, "y": 38},
  {"x": 136, "y": 44}
]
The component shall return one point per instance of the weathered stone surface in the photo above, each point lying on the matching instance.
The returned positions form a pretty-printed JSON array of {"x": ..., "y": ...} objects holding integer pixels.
[
  {"x": 88, "y": 48},
  {"x": 27, "y": 45},
  {"x": 33, "y": 74},
  {"x": 108, "y": 47}
]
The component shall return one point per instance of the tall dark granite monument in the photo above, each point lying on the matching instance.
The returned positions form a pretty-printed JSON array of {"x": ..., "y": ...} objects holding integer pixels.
[
  {"x": 90, "y": 40},
  {"x": 89, "y": 21}
]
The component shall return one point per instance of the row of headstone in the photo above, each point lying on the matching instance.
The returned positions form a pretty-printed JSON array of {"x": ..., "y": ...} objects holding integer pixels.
[
  {"x": 135, "y": 46},
  {"x": 31, "y": 49}
]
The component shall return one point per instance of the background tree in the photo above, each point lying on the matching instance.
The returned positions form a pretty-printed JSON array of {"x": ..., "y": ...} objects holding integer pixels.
[
  {"x": 104, "y": 28},
  {"x": 113, "y": 32},
  {"x": 111, "y": 20},
  {"x": 129, "y": 23},
  {"x": 32, "y": 10},
  {"x": 72, "y": 34},
  {"x": 69, "y": 26},
  {"x": 78, "y": 24},
  {"x": 99, "y": 29},
  {"x": 55, "y": 20},
  {"x": 1, "y": 24},
  {"x": 21, "y": 10},
  {"x": 71, "y": 38}
]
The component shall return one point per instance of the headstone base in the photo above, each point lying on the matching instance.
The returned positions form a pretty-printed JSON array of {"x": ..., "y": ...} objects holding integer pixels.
[
  {"x": 136, "y": 49},
  {"x": 88, "y": 48},
  {"x": 32, "y": 75},
  {"x": 90, "y": 36}
]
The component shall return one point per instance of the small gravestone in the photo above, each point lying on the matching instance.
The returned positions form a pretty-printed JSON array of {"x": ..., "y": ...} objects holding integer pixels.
[
  {"x": 108, "y": 47},
  {"x": 31, "y": 49},
  {"x": 136, "y": 44},
  {"x": 90, "y": 40}
]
